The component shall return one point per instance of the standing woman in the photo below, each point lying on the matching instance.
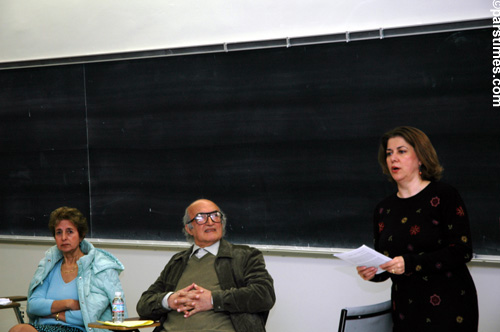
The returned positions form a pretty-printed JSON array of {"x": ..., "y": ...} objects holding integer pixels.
[
  {"x": 74, "y": 283},
  {"x": 425, "y": 227}
]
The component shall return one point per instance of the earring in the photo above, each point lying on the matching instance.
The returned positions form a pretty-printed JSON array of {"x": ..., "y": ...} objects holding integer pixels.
[{"x": 420, "y": 169}]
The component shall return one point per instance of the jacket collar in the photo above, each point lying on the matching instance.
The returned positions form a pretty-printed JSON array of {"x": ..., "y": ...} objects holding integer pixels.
[
  {"x": 97, "y": 259},
  {"x": 225, "y": 249}
]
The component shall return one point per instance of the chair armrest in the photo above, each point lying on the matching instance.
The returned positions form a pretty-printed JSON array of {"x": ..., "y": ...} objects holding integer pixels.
[{"x": 16, "y": 298}]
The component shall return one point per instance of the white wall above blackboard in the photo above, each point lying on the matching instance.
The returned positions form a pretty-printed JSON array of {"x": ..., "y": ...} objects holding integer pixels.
[{"x": 35, "y": 30}]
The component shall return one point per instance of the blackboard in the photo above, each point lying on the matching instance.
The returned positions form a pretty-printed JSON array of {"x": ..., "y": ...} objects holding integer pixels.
[{"x": 284, "y": 140}]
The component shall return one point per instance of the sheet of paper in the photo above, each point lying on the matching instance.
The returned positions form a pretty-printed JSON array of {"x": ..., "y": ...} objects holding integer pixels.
[
  {"x": 5, "y": 301},
  {"x": 364, "y": 256}
]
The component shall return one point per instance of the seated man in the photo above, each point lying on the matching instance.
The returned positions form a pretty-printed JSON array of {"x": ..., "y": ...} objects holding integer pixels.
[{"x": 212, "y": 286}]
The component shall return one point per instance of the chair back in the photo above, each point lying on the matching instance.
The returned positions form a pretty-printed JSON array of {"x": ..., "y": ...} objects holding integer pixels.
[{"x": 369, "y": 318}]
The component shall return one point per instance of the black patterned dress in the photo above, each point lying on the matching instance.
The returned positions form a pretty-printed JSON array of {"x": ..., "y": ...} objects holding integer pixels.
[{"x": 431, "y": 232}]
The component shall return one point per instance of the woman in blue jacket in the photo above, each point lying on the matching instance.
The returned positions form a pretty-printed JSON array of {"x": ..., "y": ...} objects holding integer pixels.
[{"x": 74, "y": 283}]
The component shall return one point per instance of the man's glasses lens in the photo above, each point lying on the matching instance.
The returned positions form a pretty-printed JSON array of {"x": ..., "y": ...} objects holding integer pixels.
[{"x": 202, "y": 218}]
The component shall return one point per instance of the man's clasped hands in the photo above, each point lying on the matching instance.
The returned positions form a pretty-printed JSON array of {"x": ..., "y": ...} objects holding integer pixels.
[{"x": 191, "y": 300}]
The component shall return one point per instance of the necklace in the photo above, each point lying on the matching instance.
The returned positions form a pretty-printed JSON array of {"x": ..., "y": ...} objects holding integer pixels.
[
  {"x": 72, "y": 270},
  {"x": 69, "y": 271}
]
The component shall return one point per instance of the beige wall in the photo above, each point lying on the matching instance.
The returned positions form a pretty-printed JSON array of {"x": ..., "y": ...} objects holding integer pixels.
[{"x": 310, "y": 291}]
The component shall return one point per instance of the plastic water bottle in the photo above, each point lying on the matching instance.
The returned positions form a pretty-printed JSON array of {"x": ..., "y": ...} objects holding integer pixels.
[{"x": 118, "y": 308}]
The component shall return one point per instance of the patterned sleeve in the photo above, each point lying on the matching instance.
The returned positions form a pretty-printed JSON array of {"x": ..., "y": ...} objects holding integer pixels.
[
  {"x": 376, "y": 218},
  {"x": 456, "y": 245}
]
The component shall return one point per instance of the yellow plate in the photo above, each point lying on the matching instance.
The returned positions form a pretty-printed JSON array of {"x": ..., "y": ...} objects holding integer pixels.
[{"x": 129, "y": 323}]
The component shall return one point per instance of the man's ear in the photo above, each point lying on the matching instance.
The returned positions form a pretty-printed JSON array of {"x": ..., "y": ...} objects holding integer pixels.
[{"x": 189, "y": 229}]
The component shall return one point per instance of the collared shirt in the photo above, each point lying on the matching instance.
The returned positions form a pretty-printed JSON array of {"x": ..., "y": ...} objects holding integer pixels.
[
  {"x": 199, "y": 252},
  {"x": 213, "y": 249}
]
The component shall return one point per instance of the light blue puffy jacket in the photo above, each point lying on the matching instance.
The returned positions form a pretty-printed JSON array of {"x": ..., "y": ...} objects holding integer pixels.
[{"x": 97, "y": 282}]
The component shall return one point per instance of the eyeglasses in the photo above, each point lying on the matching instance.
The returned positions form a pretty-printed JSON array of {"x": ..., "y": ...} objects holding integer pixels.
[{"x": 202, "y": 218}]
